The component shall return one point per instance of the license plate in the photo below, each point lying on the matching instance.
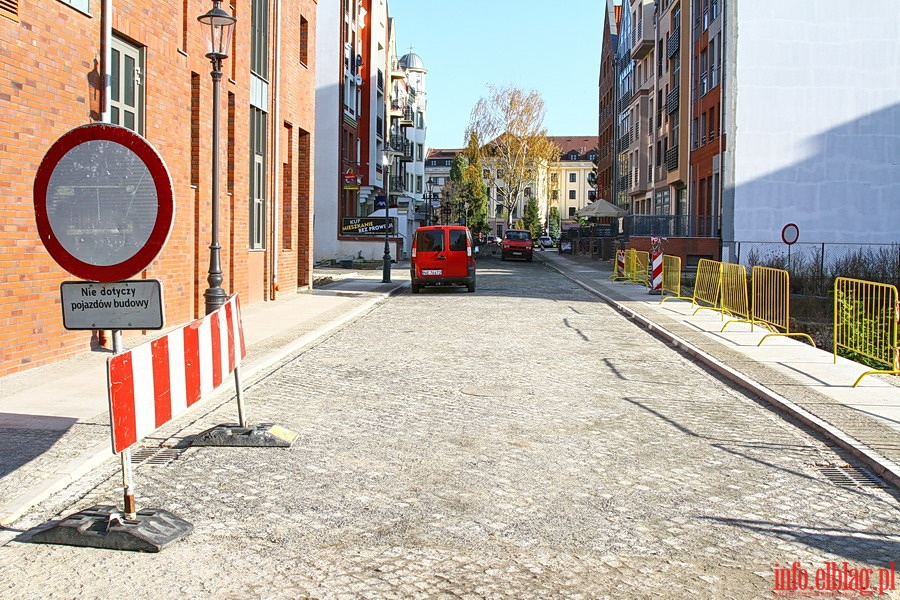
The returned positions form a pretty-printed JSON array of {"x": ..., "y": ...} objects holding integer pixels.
[
  {"x": 432, "y": 272},
  {"x": 516, "y": 253}
]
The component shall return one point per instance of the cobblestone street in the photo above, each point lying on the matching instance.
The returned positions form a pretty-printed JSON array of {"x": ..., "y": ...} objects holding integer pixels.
[{"x": 525, "y": 441}]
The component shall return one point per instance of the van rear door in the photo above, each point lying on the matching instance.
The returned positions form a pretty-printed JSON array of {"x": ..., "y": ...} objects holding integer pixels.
[
  {"x": 458, "y": 253},
  {"x": 430, "y": 259}
]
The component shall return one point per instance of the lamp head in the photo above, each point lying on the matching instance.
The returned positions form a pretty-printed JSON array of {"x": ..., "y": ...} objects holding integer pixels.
[{"x": 220, "y": 27}]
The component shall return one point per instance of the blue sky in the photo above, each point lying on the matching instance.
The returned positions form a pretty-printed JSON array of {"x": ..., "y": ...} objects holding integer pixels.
[{"x": 553, "y": 48}]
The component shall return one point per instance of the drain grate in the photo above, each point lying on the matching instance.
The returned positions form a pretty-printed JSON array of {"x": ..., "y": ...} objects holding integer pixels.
[
  {"x": 850, "y": 476},
  {"x": 157, "y": 457}
]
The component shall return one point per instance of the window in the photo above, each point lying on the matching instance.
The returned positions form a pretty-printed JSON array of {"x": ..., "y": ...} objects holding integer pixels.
[
  {"x": 486, "y": 173},
  {"x": 527, "y": 192},
  {"x": 554, "y": 177},
  {"x": 82, "y": 5},
  {"x": 259, "y": 38},
  {"x": 420, "y": 152},
  {"x": 304, "y": 41},
  {"x": 126, "y": 104},
  {"x": 571, "y": 212},
  {"x": 257, "y": 179},
  {"x": 572, "y": 194},
  {"x": 572, "y": 178}
]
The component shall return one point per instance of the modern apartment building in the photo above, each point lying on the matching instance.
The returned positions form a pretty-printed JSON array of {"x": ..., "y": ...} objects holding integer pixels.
[
  {"x": 370, "y": 114},
  {"x": 758, "y": 115},
  {"x": 608, "y": 117},
  {"x": 143, "y": 66}
]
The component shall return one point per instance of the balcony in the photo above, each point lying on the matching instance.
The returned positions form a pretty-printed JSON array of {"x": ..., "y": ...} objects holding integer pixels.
[
  {"x": 407, "y": 117},
  {"x": 397, "y": 184},
  {"x": 672, "y": 101},
  {"x": 673, "y": 43},
  {"x": 642, "y": 33},
  {"x": 672, "y": 158}
]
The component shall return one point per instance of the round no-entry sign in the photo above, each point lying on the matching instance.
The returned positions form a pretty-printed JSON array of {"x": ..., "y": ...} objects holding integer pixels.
[{"x": 103, "y": 202}]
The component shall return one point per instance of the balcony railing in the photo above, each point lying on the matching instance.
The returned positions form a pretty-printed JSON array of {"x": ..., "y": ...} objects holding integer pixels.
[
  {"x": 672, "y": 44},
  {"x": 672, "y": 101},
  {"x": 702, "y": 226},
  {"x": 672, "y": 158}
]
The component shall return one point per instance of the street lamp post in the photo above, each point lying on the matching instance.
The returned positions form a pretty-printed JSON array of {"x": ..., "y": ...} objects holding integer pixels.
[
  {"x": 429, "y": 194},
  {"x": 221, "y": 27},
  {"x": 387, "y": 159}
]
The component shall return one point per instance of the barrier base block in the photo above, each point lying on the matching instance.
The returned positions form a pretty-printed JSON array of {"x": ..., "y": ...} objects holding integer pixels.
[
  {"x": 105, "y": 526},
  {"x": 653, "y": 292},
  {"x": 262, "y": 435}
]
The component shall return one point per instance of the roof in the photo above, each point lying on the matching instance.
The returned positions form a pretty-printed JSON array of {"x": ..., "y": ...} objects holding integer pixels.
[
  {"x": 444, "y": 152},
  {"x": 581, "y": 145},
  {"x": 412, "y": 61}
]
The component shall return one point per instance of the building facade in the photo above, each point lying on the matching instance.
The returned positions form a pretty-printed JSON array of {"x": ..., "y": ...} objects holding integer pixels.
[
  {"x": 371, "y": 113},
  {"x": 740, "y": 141},
  {"x": 69, "y": 63},
  {"x": 571, "y": 179}
]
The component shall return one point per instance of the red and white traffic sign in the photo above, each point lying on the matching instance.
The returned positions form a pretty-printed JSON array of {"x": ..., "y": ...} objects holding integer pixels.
[{"x": 103, "y": 202}]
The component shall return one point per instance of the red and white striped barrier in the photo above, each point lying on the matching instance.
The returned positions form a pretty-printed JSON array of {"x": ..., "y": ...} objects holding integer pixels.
[
  {"x": 152, "y": 383},
  {"x": 620, "y": 263},
  {"x": 657, "y": 274}
]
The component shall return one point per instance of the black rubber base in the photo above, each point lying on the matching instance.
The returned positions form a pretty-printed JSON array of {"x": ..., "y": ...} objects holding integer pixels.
[
  {"x": 104, "y": 526},
  {"x": 263, "y": 435}
]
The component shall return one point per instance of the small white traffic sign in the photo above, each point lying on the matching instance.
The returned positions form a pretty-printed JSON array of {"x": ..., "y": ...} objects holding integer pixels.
[{"x": 134, "y": 304}]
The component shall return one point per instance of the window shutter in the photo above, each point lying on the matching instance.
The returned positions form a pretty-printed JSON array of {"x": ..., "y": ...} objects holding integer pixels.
[{"x": 10, "y": 9}]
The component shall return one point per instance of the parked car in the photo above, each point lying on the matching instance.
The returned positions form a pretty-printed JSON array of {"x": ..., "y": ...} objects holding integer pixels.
[
  {"x": 442, "y": 255},
  {"x": 517, "y": 243},
  {"x": 545, "y": 241}
]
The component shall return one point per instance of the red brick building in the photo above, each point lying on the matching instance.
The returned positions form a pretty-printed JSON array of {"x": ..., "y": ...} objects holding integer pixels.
[{"x": 51, "y": 81}]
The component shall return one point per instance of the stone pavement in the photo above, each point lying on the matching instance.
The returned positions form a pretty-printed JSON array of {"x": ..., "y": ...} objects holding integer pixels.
[
  {"x": 54, "y": 420},
  {"x": 54, "y": 424},
  {"x": 804, "y": 382}
]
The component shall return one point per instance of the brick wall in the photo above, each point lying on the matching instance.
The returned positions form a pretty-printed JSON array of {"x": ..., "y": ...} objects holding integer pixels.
[{"x": 50, "y": 83}]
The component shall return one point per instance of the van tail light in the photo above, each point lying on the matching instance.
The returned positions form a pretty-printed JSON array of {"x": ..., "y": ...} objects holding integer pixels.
[{"x": 414, "y": 251}]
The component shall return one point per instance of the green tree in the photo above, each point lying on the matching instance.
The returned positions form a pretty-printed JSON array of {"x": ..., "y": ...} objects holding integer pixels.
[
  {"x": 553, "y": 229},
  {"x": 465, "y": 191},
  {"x": 532, "y": 218},
  {"x": 476, "y": 190}
]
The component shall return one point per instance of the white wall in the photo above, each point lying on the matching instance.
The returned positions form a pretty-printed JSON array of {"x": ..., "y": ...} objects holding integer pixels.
[
  {"x": 815, "y": 132},
  {"x": 328, "y": 134}
]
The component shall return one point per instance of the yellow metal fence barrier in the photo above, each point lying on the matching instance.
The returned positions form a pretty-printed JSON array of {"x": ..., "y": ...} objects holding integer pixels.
[
  {"x": 770, "y": 302},
  {"x": 707, "y": 287},
  {"x": 734, "y": 294},
  {"x": 671, "y": 281},
  {"x": 641, "y": 272},
  {"x": 865, "y": 322}
]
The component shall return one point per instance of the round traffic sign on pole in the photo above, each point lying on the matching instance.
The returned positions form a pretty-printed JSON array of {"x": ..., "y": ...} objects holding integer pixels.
[
  {"x": 103, "y": 202},
  {"x": 790, "y": 234}
]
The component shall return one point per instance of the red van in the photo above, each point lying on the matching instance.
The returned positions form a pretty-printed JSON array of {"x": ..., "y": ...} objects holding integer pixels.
[
  {"x": 442, "y": 255},
  {"x": 517, "y": 243}
]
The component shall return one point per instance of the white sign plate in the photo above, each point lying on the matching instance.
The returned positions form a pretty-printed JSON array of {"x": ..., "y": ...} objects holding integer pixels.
[{"x": 130, "y": 304}]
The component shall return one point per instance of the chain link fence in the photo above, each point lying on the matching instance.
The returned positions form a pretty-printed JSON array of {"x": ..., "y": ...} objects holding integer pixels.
[{"x": 814, "y": 267}]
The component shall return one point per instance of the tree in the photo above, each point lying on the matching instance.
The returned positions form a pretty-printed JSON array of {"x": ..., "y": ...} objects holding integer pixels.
[
  {"x": 465, "y": 191},
  {"x": 532, "y": 218},
  {"x": 518, "y": 148},
  {"x": 553, "y": 229},
  {"x": 476, "y": 190}
]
